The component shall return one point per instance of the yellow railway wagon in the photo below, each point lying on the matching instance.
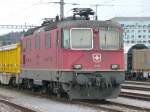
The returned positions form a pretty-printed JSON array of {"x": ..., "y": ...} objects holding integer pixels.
[{"x": 10, "y": 59}]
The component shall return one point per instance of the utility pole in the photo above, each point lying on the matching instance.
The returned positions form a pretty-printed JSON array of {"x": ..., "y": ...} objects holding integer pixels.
[
  {"x": 61, "y": 9},
  {"x": 96, "y": 9},
  {"x": 62, "y": 3},
  {"x": 96, "y": 17}
]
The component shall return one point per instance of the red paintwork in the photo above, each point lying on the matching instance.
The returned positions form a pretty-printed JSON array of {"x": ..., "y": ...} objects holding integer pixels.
[{"x": 63, "y": 59}]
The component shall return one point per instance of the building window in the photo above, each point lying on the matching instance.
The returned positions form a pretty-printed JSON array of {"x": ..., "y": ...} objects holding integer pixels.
[
  {"x": 122, "y": 25},
  {"x": 48, "y": 40},
  {"x": 37, "y": 41},
  {"x": 139, "y": 31},
  {"x": 144, "y": 36},
  {"x": 127, "y": 36},
  {"x": 144, "y": 26},
  {"x": 132, "y": 41},
  {"x": 132, "y": 25},
  {"x": 132, "y": 36},
  {"x": 144, "y": 30},
  {"x": 139, "y": 36}
]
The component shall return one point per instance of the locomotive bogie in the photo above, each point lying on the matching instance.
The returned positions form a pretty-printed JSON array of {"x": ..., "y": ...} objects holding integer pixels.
[{"x": 78, "y": 85}]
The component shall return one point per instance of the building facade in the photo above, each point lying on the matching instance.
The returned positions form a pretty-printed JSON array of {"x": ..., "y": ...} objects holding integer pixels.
[{"x": 136, "y": 30}]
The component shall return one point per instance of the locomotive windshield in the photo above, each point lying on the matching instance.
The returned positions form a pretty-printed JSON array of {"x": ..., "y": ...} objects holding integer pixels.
[
  {"x": 110, "y": 39},
  {"x": 78, "y": 38},
  {"x": 81, "y": 38}
]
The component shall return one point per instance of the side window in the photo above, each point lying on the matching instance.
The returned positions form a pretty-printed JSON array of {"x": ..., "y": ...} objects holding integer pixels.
[
  {"x": 24, "y": 59},
  {"x": 48, "y": 40},
  {"x": 28, "y": 44},
  {"x": 66, "y": 40},
  {"x": 37, "y": 41}
]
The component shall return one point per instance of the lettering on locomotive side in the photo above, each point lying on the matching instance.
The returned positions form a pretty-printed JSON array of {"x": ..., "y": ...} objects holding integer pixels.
[{"x": 96, "y": 57}]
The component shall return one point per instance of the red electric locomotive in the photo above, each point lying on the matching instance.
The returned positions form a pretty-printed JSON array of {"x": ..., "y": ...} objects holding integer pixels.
[{"x": 80, "y": 58}]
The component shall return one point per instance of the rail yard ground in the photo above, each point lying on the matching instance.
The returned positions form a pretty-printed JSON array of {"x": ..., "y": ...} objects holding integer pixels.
[
  {"x": 7, "y": 108},
  {"x": 37, "y": 103},
  {"x": 41, "y": 104}
]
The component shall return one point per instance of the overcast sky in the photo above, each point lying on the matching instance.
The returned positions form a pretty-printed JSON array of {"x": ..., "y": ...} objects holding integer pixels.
[{"x": 32, "y": 11}]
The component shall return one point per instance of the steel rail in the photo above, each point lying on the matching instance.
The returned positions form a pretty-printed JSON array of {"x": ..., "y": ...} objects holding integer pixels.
[{"x": 17, "y": 106}]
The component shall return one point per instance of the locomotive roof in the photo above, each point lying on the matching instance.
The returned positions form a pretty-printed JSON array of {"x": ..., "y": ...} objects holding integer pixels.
[{"x": 74, "y": 23}]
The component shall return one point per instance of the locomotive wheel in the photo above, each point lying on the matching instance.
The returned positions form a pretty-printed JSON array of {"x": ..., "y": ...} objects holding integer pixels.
[
  {"x": 24, "y": 83},
  {"x": 58, "y": 94},
  {"x": 68, "y": 97},
  {"x": 12, "y": 82},
  {"x": 29, "y": 84},
  {"x": 44, "y": 89}
]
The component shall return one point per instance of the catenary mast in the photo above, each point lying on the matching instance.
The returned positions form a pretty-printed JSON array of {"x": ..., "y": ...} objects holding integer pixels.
[{"x": 61, "y": 9}]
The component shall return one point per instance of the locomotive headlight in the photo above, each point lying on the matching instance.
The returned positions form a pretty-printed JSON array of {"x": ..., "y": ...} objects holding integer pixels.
[
  {"x": 77, "y": 66},
  {"x": 114, "y": 66}
]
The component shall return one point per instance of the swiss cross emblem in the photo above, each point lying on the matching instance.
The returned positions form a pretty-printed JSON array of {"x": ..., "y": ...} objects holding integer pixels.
[{"x": 96, "y": 57}]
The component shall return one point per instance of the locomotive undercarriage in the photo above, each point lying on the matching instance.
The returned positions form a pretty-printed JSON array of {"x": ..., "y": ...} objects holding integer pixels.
[
  {"x": 96, "y": 85},
  {"x": 76, "y": 85}
]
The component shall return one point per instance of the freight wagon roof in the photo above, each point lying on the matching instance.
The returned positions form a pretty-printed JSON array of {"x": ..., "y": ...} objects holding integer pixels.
[
  {"x": 8, "y": 47},
  {"x": 75, "y": 23},
  {"x": 137, "y": 46}
]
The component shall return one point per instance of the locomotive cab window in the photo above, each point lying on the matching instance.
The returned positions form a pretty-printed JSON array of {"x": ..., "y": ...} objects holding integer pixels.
[
  {"x": 66, "y": 38},
  {"x": 81, "y": 38},
  {"x": 110, "y": 39}
]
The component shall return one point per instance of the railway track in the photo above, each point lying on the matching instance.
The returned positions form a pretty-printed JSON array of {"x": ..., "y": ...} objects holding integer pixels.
[
  {"x": 135, "y": 96},
  {"x": 138, "y": 82},
  {"x": 16, "y": 106},
  {"x": 104, "y": 106},
  {"x": 110, "y": 106},
  {"x": 137, "y": 86},
  {"x": 136, "y": 90}
]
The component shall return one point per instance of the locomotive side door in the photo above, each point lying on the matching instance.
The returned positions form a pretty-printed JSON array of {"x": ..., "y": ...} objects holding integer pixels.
[{"x": 58, "y": 51}]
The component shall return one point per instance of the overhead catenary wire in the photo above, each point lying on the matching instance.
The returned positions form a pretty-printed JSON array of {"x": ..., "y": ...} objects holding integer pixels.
[{"x": 105, "y": 3}]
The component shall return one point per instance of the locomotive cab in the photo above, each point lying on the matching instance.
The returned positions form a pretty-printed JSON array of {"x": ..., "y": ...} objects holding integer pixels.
[
  {"x": 92, "y": 41},
  {"x": 93, "y": 58}
]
